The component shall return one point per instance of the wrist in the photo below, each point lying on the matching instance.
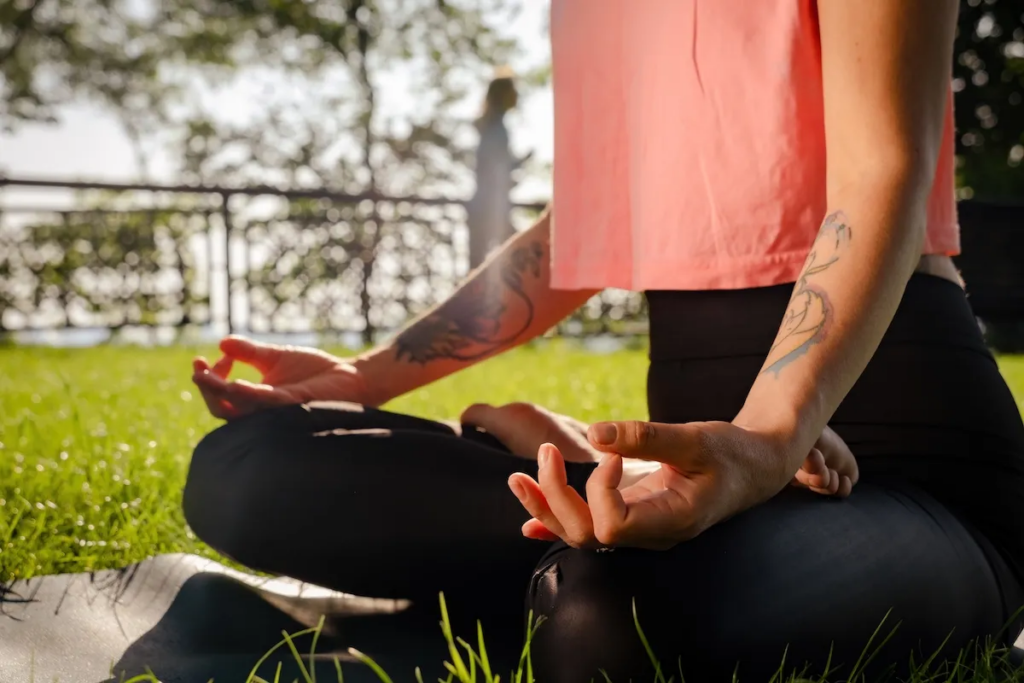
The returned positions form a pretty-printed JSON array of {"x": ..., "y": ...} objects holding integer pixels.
[
  {"x": 375, "y": 369},
  {"x": 785, "y": 427}
]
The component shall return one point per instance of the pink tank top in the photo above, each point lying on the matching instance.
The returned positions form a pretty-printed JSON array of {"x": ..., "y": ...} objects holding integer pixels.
[{"x": 690, "y": 144}]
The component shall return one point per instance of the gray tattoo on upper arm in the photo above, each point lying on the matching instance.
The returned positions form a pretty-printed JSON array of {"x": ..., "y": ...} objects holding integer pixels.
[
  {"x": 468, "y": 326},
  {"x": 809, "y": 313}
]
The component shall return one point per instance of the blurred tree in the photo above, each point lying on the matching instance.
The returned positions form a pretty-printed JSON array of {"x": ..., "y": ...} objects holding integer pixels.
[
  {"x": 154, "y": 62},
  {"x": 321, "y": 120},
  {"x": 989, "y": 86}
]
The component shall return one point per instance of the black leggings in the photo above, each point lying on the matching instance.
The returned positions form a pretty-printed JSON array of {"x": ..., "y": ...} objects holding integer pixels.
[{"x": 387, "y": 505}]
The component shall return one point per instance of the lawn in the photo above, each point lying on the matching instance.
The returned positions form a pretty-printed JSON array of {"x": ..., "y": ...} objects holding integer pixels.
[{"x": 95, "y": 443}]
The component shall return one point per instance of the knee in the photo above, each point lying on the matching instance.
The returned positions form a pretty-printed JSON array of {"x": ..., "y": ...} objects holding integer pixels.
[
  {"x": 201, "y": 500},
  {"x": 595, "y": 606},
  {"x": 217, "y": 500},
  {"x": 586, "y": 612}
]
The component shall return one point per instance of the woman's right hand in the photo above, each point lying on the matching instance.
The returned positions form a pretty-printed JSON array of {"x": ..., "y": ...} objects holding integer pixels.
[{"x": 290, "y": 374}]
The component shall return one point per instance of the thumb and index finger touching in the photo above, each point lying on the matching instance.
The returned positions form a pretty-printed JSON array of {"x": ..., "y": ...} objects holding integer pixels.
[
  {"x": 224, "y": 398},
  {"x": 260, "y": 356},
  {"x": 257, "y": 354}
]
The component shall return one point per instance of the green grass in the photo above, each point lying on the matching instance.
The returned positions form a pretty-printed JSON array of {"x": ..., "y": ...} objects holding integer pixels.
[{"x": 95, "y": 443}]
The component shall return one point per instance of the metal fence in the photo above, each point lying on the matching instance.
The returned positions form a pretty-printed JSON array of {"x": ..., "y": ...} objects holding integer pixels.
[{"x": 253, "y": 259}]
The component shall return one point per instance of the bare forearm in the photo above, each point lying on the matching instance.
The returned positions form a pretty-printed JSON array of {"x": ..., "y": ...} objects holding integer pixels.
[
  {"x": 847, "y": 295},
  {"x": 505, "y": 302},
  {"x": 885, "y": 78}
]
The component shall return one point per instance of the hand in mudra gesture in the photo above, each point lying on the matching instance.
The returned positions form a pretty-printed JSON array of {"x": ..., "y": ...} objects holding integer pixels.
[
  {"x": 289, "y": 374},
  {"x": 708, "y": 472}
]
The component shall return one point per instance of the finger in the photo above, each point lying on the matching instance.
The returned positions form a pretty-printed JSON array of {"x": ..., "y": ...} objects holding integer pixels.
[
  {"x": 257, "y": 354},
  {"x": 200, "y": 364},
  {"x": 213, "y": 396},
  {"x": 532, "y": 498},
  {"x": 813, "y": 473},
  {"x": 607, "y": 507},
  {"x": 243, "y": 399},
  {"x": 839, "y": 457},
  {"x": 671, "y": 444},
  {"x": 237, "y": 395},
  {"x": 567, "y": 505},
  {"x": 222, "y": 368},
  {"x": 833, "y": 481},
  {"x": 852, "y": 470},
  {"x": 536, "y": 530},
  {"x": 845, "y": 487},
  {"x": 833, "y": 485},
  {"x": 258, "y": 394}
]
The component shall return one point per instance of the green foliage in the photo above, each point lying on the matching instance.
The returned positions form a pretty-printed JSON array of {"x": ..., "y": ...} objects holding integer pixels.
[
  {"x": 989, "y": 83},
  {"x": 320, "y": 124},
  {"x": 104, "y": 268}
]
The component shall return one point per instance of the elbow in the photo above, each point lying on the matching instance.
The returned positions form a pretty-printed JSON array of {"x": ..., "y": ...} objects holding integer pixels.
[
  {"x": 894, "y": 169},
  {"x": 899, "y": 158},
  {"x": 899, "y": 175}
]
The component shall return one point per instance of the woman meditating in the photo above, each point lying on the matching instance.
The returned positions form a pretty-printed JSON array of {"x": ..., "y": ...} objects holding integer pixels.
[{"x": 777, "y": 177}]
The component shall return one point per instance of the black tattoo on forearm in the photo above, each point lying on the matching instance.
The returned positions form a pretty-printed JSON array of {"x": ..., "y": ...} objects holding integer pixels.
[
  {"x": 468, "y": 326},
  {"x": 809, "y": 313}
]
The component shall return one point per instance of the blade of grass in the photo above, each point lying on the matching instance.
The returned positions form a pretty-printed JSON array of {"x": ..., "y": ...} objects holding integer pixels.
[
  {"x": 922, "y": 669},
  {"x": 474, "y": 660},
  {"x": 298, "y": 657},
  {"x": 780, "y": 673},
  {"x": 453, "y": 651},
  {"x": 370, "y": 663},
  {"x": 251, "y": 678},
  {"x": 658, "y": 676},
  {"x": 524, "y": 655},
  {"x": 312, "y": 647},
  {"x": 956, "y": 667},
  {"x": 485, "y": 665},
  {"x": 857, "y": 666}
]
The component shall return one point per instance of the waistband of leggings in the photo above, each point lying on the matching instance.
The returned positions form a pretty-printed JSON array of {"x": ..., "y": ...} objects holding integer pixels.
[{"x": 741, "y": 322}]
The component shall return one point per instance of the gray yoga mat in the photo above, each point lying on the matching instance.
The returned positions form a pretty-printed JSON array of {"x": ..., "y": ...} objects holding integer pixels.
[{"x": 190, "y": 619}]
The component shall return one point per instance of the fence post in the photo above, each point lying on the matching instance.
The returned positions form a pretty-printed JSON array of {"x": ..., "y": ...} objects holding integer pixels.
[
  {"x": 369, "y": 257},
  {"x": 225, "y": 210}
]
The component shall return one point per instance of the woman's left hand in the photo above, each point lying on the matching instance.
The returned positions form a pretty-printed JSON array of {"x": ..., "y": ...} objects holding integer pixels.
[{"x": 709, "y": 472}]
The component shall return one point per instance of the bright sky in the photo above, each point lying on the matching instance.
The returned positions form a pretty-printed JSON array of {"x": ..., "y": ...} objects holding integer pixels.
[{"x": 88, "y": 143}]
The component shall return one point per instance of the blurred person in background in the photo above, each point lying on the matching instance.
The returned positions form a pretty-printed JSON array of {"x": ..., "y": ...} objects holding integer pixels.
[
  {"x": 488, "y": 212},
  {"x": 777, "y": 177}
]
